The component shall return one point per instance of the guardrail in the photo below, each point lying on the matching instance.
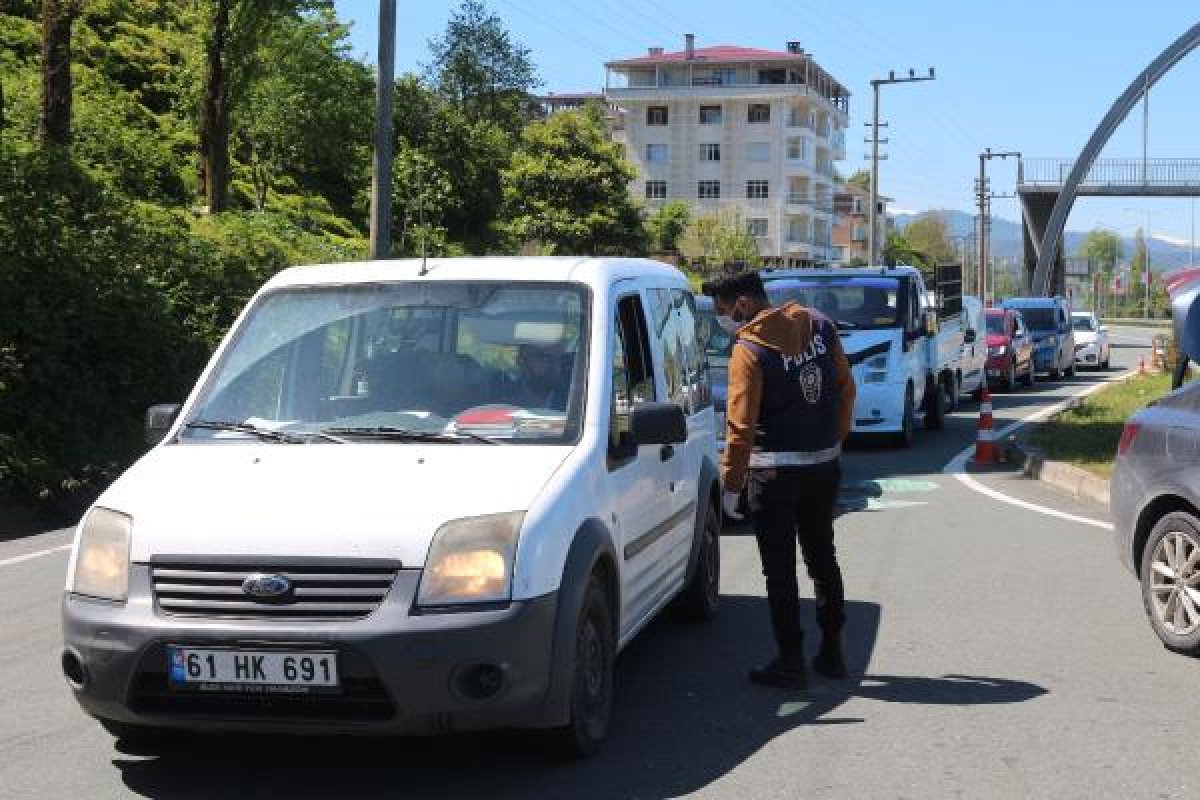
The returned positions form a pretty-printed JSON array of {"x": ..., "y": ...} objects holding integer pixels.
[{"x": 1115, "y": 172}]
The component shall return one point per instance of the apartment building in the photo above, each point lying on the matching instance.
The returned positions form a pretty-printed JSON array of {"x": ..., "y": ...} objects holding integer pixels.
[
  {"x": 851, "y": 205},
  {"x": 736, "y": 128}
]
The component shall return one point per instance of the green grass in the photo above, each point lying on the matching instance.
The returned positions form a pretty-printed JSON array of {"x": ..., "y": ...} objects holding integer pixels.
[{"x": 1087, "y": 436}]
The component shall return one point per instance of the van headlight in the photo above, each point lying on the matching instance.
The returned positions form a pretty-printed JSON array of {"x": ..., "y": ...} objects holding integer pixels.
[
  {"x": 102, "y": 563},
  {"x": 471, "y": 561},
  {"x": 875, "y": 369}
]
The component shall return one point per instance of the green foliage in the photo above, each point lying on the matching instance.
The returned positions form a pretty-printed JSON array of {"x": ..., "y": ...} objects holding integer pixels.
[
  {"x": 929, "y": 235},
  {"x": 568, "y": 185},
  {"x": 861, "y": 178},
  {"x": 480, "y": 69},
  {"x": 1140, "y": 261},
  {"x": 1103, "y": 247},
  {"x": 667, "y": 225},
  {"x": 713, "y": 242},
  {"x": 899, "y": 250}
]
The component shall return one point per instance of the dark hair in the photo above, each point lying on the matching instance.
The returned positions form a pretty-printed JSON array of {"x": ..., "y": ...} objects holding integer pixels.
[{"x": 728, "y": 290}]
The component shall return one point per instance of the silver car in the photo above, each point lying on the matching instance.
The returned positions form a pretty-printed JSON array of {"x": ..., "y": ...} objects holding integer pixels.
[{"x": 1156, "y": 505}]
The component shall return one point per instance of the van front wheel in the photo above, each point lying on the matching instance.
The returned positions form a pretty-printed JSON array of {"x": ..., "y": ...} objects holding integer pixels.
[
  {"x": 699, "y": 600},
  {"x": 591, "y": 694}
]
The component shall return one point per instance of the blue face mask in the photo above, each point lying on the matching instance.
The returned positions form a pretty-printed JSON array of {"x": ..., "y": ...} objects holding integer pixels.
[{"x": 729, "y": 324}]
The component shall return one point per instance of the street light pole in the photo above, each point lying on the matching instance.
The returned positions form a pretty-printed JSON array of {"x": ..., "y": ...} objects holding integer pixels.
[
  {"x": 381, "y": 168},
  {"x": 872, "y": 237}
]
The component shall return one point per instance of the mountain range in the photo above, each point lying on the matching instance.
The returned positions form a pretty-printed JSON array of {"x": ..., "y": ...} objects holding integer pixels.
[{"x": 1006, "y": 240}]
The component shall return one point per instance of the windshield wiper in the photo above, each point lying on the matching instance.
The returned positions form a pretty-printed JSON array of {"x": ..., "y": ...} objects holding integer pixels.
[
  {"x": 244, "y": 427},
  {"x": 409, "y": 435}
]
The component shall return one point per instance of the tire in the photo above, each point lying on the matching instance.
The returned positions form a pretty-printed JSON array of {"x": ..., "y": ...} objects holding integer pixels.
[
  {"x": 1056, "y": 373},
  {"x": 1030, "y": 377},
  {"x": 1172, "y": 541},
  {"x": 700, "y": 599},
  {"x": 1070, "y": 371},
  {"x": 139, "y": 736},
  {"x": 1107, "y": 359},
  {"x": 908, "y": 424},
  {"x": 1010, "y": 378},
  {"x": 935, "y": 411},
  {"x": 591, "y": 693},
  {"x": 953, "y": 391}
]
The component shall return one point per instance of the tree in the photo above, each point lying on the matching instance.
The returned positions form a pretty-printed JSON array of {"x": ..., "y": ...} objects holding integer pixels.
[
  {"x": 1103, "y": 248},
  {"x": 899, "y": 250},
  {"x": 668, "y": 224},
  {"x": 861, "y": 179},
  {"x": 719, "y": 241},
  {"x": 1140, "y": 262},
  {"x": 54, "y": 123},
  {"x": 568, "y": 185},
  {"x": 234, "y": 32},
  {"x": 929, "y": 235},
  {"x": 479, "y": 68}
]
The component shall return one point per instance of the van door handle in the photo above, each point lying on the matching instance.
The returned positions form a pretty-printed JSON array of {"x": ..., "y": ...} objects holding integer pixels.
[{"x": 667, "y": 452}]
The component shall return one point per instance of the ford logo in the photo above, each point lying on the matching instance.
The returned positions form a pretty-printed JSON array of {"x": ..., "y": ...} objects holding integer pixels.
[{"x": 266, "y": 586}]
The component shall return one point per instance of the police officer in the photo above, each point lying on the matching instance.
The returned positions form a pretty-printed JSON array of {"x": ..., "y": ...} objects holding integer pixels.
[{"x": 788, "y": 409}]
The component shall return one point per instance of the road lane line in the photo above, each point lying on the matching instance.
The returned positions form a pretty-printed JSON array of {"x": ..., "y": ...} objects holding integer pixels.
[
  {"x": 957, "y": 466},
  {"x": 8, "y": 562}
]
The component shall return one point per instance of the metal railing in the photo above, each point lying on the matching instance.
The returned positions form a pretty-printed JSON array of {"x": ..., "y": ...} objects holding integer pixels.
[{"x": 1115, "y": 172}]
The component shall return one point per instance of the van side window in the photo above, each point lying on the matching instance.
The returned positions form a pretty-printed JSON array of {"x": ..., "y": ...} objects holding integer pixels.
[
  {"x": 696, "y": 372},
  {"x": 667, "y": 331},
  {"x": 632, "y": 369}
]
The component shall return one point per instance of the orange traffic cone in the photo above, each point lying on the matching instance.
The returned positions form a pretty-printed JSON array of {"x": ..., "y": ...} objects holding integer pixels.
[{"x": 986, "y": 451}]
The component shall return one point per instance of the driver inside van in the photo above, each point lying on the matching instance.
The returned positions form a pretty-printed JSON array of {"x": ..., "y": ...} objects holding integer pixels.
[{"x": 543, "y": 376}]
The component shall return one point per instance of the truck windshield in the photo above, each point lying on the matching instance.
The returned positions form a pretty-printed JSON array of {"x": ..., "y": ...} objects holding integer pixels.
[
  {"x": 1039, "y": 319},
  {"x": 854, "y": 303},
  {"x": 405, "y": 361}
]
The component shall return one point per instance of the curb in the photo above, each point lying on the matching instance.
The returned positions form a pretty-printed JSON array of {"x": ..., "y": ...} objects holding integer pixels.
[{"x": 1066, "y": 477}]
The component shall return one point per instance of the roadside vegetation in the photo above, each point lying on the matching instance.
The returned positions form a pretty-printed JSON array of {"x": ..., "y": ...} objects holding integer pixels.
[{"x": 1087, "y": 436}]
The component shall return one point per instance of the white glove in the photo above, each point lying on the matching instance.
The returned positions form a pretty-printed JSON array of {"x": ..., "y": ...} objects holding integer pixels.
[{"x": 729, "y": 502}]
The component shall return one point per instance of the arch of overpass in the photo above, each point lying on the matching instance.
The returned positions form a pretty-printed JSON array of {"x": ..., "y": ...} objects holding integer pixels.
[{"x": 1047, "y": 254}]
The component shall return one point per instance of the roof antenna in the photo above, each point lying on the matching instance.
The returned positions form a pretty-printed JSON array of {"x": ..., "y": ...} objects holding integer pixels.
[{"x": 421, "y": 222}]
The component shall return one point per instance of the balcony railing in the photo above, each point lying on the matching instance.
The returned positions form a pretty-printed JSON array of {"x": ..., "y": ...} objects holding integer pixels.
[{"x": 799, "y": 121}]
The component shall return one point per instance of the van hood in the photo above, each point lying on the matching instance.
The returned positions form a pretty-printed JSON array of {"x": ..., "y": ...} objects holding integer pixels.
[
  {"x": 861, "y": 345},
  {"x": 1085, "y": 337},
  {"x": 368, "y": 500}
]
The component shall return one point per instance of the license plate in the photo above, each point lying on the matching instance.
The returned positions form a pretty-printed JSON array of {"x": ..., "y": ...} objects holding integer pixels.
[{"x": 251, "y": 671}]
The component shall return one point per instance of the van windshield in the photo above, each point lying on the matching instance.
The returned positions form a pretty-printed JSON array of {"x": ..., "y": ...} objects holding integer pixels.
[
  {"x": 425, "y": 361},
  {"x": 1083, "y": 324},
  {"x": 1039, "y": 319},
  {"x": 995, "y": 324}
]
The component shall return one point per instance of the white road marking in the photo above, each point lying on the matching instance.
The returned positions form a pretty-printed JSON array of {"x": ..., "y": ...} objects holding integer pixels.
[
  {"x": 8, "y": 562},
  {"x": 958, "y": 465}
]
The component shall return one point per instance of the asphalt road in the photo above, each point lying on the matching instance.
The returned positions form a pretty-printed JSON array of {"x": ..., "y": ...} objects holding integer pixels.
[{"x": 996, "y": 652}]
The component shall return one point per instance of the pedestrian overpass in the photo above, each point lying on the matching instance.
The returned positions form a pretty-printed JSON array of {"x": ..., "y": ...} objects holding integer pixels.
[
  {"x": 1040, "y": 183},
  {"x": 1049, "y": 191}
]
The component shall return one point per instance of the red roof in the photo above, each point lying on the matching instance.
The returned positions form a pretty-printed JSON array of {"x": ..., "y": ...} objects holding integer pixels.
[{"x": 720, "y": 52}]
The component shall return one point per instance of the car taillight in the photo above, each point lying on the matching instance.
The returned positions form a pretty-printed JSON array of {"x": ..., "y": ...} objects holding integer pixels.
[{"x": 1127, "y": 436}]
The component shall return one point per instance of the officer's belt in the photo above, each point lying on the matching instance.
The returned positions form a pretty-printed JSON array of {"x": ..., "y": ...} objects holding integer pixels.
[{"x": 768, "y": 460}]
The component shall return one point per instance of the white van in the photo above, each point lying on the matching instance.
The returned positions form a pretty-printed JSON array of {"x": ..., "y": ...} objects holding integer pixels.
[{"x": 408, "y": 498}]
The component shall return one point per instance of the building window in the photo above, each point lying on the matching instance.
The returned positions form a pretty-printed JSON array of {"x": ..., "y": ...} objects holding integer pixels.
[
  {"x": 757, "y": 190},
  {"x": 656, "y": 190},
  {"x": 756, "y": 227},
  {"x": 708, "y": 190},
  {"x": 758, "y": 151},
  {"x": 798, "y": 149},
  {"x": 656, "y": 115},
  {"x": 657, "y": 154},
  {"x": 770, "y": 76},
  {"x": 710, "y": 115},
  {"x": 759, "y": 112},
  {"x": 856, "y": 206},
  {"x": 710, "y": 152}
]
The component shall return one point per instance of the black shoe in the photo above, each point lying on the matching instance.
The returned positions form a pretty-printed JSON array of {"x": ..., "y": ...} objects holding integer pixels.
[
  {"x": 829, "y": 661},
  {"x": 781, "y": 673}
]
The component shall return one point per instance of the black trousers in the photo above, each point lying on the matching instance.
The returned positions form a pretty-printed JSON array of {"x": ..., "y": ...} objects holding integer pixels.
[{"x": 790, "y": 504}]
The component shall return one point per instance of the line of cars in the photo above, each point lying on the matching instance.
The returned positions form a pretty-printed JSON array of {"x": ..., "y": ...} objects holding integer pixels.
[{"x": 1033, "y": 336}]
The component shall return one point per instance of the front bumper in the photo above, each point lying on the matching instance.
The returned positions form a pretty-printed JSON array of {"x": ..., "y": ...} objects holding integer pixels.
[
  {"x": 1046, "y": 359},
  {"x": 402, "y": 671},
  {"x": 878, "y": 408}
]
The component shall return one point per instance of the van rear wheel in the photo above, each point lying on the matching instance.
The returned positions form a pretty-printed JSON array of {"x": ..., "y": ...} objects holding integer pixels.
[{"x": 591, "y": 695}]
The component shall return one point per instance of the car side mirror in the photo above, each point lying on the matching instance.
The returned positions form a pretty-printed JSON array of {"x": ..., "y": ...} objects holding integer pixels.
[
  {"x": 159, "y": 420},
  {"x": 969, "y": 337},
  {"x": 657, "y": 423}
]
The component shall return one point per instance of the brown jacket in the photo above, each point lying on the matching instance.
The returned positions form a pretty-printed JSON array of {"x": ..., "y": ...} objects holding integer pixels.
[{"x": 788, "y": 330}]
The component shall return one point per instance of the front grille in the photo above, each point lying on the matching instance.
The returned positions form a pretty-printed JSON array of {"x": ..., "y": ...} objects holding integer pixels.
[{"x": 343, "y": 591}]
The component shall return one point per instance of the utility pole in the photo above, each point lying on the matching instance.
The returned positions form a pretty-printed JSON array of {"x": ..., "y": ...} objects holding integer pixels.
[
  {"x": 381, "y": 171},
  {"x": 875, "y": 141},
  {"x": 983, "y": 199}
]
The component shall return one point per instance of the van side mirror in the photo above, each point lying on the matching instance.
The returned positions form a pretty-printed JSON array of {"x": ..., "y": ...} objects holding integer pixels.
[
  {"x": 159, "y": 420},
  {"x": 657, "y": 423},
  {"x": 969, "y": 337},
  {"x": 931, "y": 323}
]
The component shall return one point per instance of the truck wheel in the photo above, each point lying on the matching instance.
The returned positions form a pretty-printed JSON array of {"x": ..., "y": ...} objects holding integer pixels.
[
  {"x": 1030, "y": 377},
  {"x": 1010, "y": 378},
  {"x": 699, "y": 600},
  {"x": 935, "y": 412},
  {"x": 908, "y": 424},
  {"x": 591, "y": 677}
]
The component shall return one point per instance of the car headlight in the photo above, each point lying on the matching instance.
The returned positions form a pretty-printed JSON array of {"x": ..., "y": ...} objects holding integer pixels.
[
  {"x": 471, "y": 561},
  {"x": 102, "y": 564},
  {"x": 875, "y": 369}
]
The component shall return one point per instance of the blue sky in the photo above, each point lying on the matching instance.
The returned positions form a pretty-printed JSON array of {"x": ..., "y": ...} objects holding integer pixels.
[{"x": 1028, "y": 75}]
